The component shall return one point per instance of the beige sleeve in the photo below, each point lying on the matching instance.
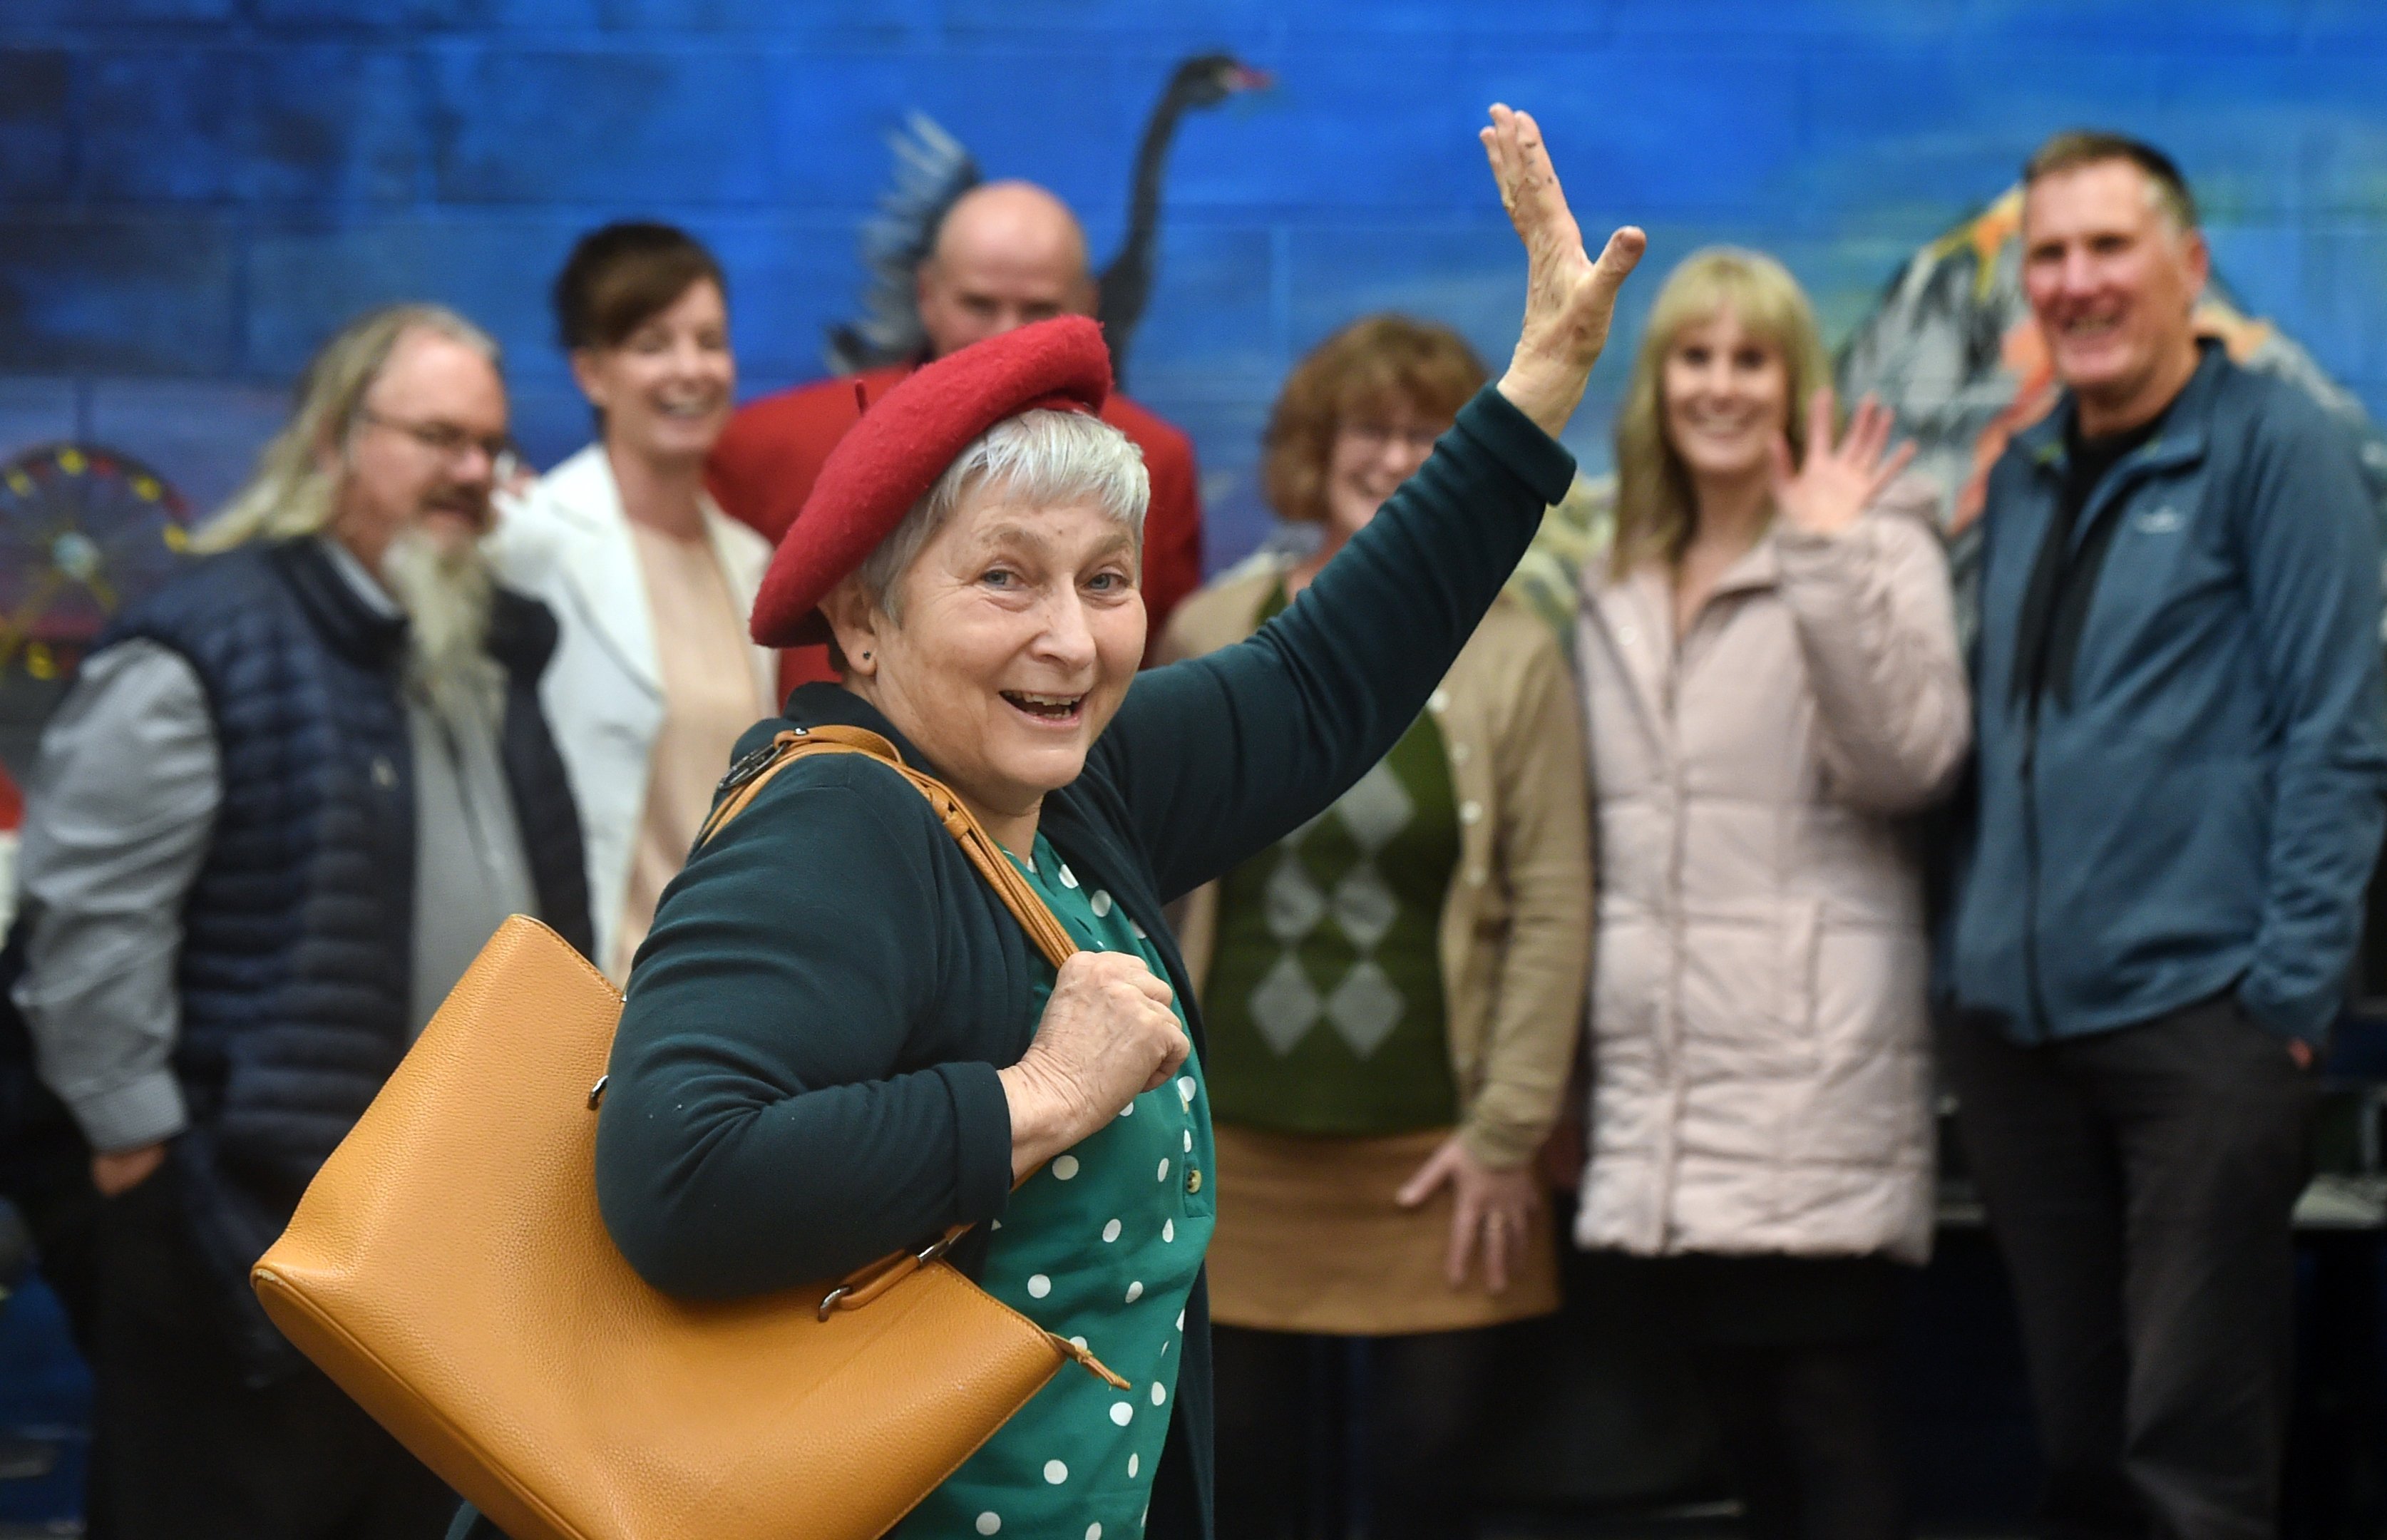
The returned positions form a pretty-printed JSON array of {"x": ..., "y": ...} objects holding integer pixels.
[{"x": 1545, "y": 849}]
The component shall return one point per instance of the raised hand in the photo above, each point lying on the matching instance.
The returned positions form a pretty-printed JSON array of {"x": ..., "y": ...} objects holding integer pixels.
[
  {"x": 1825, "y": 495},
  {"x": 1569, "y": 298}
]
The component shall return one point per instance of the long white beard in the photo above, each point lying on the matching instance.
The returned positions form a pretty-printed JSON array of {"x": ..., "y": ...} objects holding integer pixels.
[{"x": 447, "y": 593}]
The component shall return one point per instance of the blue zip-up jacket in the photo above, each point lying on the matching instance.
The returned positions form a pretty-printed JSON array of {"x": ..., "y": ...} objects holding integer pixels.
[{"x": 2202, "y": 814}]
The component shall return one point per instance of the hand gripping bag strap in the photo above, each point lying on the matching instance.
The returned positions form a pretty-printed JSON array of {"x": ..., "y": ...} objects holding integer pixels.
[{"x": 745, "y": 782}]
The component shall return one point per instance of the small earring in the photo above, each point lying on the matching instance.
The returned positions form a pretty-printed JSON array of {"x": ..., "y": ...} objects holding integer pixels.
[{"x": 866, "y": 657}]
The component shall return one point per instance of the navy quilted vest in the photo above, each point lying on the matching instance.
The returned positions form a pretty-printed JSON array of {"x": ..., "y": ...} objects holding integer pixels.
[{"x": 297, "y": 941}]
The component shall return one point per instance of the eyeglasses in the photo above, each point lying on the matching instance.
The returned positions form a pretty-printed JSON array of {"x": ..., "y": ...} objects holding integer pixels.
[
  {"x": 1376, "y": 435},
  {"x": 446, "y": 440}
]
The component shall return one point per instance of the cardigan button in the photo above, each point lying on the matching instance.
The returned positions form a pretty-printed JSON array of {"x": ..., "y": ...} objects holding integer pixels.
[{"x": 1193, "y": 1180}]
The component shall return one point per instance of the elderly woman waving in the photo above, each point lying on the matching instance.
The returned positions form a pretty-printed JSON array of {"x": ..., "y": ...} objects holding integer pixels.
[{"x": 838, "y": 1040}]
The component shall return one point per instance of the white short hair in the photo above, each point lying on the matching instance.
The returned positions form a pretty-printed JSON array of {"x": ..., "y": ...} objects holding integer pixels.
[{"x": 1043, "y": 458}]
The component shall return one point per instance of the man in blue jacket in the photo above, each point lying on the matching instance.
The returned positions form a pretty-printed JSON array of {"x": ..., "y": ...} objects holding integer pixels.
[{"x": 2183, "y": 741}]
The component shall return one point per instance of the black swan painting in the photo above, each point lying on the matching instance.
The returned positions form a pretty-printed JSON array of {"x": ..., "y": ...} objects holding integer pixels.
[{"x": 932, "y": 169}]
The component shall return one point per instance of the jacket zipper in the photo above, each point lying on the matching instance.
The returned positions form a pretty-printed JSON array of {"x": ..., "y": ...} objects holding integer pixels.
[
  {"x": 1671, "y": 1032},
  {"x": 2107, "y": 497}
]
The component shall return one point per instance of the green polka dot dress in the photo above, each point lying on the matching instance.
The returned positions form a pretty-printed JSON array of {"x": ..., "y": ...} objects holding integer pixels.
[{"x": 1102, "y": 1246}]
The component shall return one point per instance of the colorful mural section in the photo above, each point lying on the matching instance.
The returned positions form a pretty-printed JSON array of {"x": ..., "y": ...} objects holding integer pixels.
[{"x": 192, "y": 193}]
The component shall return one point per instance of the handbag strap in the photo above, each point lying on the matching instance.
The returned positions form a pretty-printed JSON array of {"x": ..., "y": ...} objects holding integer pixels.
[
  {"x": 749, "y": 775},
  {"x": 743, "y": 784}
]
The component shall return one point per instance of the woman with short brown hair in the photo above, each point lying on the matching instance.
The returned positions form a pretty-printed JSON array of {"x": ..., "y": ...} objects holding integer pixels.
[
  {"x": 653, "y": 678},
  {"x": 1371, "y": 370},
  {"x": 1393, "y": 992}
]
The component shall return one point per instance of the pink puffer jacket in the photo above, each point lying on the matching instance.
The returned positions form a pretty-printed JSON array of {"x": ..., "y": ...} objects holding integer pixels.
[{"x": 1761, "y": 1077}]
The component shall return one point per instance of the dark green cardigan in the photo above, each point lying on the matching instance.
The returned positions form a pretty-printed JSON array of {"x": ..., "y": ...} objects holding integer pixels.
[{"x": 804, "y": 1078}]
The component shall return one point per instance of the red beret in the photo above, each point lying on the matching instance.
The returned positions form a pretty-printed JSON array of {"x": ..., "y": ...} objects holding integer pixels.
[{"x": 903, "y": 442}]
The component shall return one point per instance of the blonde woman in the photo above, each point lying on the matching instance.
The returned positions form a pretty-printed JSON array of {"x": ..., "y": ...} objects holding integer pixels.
[{"x": 1771, "y": 682}]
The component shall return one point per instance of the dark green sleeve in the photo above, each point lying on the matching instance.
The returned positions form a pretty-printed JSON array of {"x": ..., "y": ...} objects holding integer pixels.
[
  {"x": 773, "y": 1116},
  {"x": 1220, "y": 755}
]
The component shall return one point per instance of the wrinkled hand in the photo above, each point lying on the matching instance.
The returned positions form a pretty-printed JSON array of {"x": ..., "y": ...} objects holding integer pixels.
[
  {"x": 1108, "y": 1036},
  {"x": 1838, "y": 483},
  {"x": 1490, "y": 1205},
  {"x": 1570, "y": 299},
  {"x": 121, "y": 1172}
]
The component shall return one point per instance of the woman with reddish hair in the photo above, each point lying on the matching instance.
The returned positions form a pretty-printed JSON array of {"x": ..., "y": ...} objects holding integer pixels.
[{"x": 1392, "y": 993}]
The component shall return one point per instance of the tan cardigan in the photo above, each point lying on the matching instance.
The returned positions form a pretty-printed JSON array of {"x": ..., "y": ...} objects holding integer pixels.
[{"x": 1515, "y": 934}]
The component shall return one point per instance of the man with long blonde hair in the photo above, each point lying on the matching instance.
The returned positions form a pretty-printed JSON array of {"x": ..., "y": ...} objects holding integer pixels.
[{"x": 288, "y": 799}]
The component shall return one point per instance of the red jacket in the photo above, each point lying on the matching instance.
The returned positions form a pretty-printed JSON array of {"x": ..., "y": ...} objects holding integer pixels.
[{"x": 764, "y": 467}]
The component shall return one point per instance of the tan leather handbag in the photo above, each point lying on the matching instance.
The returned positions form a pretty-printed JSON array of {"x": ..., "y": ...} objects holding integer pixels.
[{"x": 448, "y": 1268}]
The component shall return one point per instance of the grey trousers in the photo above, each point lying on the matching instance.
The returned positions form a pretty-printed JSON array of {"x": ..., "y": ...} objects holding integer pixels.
[{"x": 2140, "y": 1185}]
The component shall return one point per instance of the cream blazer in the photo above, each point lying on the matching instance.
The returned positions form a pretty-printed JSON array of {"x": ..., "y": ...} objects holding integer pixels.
[
  {"x": 1516, "y": 920},
  {"x": 567, "y": 544}
]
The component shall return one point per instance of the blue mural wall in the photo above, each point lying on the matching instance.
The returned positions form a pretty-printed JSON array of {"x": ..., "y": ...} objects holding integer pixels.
[{"x": 193, "y": 191}]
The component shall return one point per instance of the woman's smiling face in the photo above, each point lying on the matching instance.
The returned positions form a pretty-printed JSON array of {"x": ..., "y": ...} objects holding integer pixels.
[
  {"x": 1727, "y": 396},
  {"x": 1021, "y": 629},
  {"x": 666, "y": 389},
  {"x": 1372, "y": 452}
]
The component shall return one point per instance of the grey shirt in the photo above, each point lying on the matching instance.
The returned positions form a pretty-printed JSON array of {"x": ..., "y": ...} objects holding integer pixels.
[
  {"x": 117, "y": 818},
  {"x": 470, "y": 869},
  {"x": 117, "y": 822}
]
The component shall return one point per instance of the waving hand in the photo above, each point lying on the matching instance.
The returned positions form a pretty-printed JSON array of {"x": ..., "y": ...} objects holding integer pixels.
[
  {"x": 1569, "y": 298},
  {"x": 1824, "y": 493}
]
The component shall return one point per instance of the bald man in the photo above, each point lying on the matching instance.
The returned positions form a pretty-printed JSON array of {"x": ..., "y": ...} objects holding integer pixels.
[{"x": 1008, "y": 253}]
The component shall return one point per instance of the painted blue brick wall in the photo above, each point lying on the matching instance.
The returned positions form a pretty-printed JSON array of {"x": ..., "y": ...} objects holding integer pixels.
[{"x": 192, "y": 192}]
